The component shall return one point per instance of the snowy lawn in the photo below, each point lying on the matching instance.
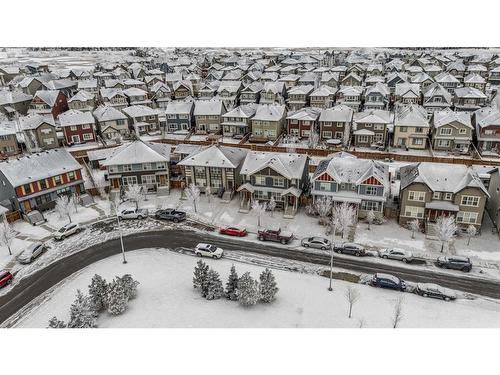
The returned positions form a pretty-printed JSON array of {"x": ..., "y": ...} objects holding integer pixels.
[
  {"x": 17, "y": 246},
  {"x": 84, "y": 215},
  {"x": 166, "y": 298}
]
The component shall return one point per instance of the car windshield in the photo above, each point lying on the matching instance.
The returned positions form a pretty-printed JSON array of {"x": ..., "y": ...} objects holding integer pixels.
[
  {"x": 212, "y": 248},
  {"x": 63, "y": 229}
]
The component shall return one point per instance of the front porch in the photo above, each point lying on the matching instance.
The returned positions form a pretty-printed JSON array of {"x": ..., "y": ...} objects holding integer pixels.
[{"x": 286, "y": 200}]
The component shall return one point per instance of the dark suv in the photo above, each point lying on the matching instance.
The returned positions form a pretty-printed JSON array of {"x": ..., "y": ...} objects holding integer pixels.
[
  {"x": 383, "y": 280},
  {"x": 351, "y": 249},
  {"x": 171, "y": 214},
  {"x": 455, "y": 263}
]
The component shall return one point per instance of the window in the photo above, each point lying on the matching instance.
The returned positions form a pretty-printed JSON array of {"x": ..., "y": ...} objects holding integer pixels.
[
  {"x": 436, "y": 195},
  {"x": 87, "y": 137},
  {"x": 48, "y": 141},
  {"x": 413, "y": 211},
  {"x": 403, "y": 129},
  {"x": 371, "y": 190},
  {"x": 277, "y": 197},
  {"x": 369, "y": 206},
  {"x": 71, "y": 176},
  {"x": 462, "y": 131},
  {"x": 416, "y": 196},
  {"x": 448, "y": 196},
  {"x": 258, "y": 194},
  {"x": 467, "y": 217},
  {"x": 378, "y": 127},
  {"x": 129, "y": 180},
  {"x": 327, "y": 135},
  {"x": 43, "y": 184},
  {"x": 324, "y": 186},
  {"x": 73, "y": 128},
  {"x": 260, "y": 180},
  {"x": 127, "y": 168},
  {"x": 294, "y": 122},
  {"x": 278, "y": 182},
  {"x": 469, "y": 200},
  {"x": 27, "y": 189},
  {"x": 368, "y": 125},
  {"x": 445, "y": 131},
  {"x": 305, "y": 133},
  {"x": 57, "y": 180},
  {"x": 339, "y": 135},
  {"x": 120, "y": 122},
  {"x": 444, "y": 143},
  {"x": 148, "y": 179}
]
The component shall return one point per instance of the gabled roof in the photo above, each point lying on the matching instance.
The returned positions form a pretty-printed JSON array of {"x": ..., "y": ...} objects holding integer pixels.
[
  {"x": 242, "y": 111},
  {"x": 350, "y": 90},
  {"x": 212, "y": 107},
  {"x": 33, "y": 121},
  {"x": 215, "y": 156},
  {"x": 469, "y": 92},
  {"x": 411, "y": 115},
  {"x": 290, "y": 166},
  {"x": 441, "y": 177},
  {"x": 74, "y": 117},
  {"x": 446, "y": 77},
  {"x": 48, "y": 96},
  {"x": 254, "y": 87},
  {"x": 324, "y": 90},
  {"x": 269, "y": 112},
  {"x": 179, "y": 107},
  {"x": 436, "y": 89},
  {"x": 11, "y": 97},
  {"x": 134, "y": 91},
  {"x": 339, "y": 113},
  {"x": 448, "y": 116},
  {"x": 308, "y": 114},
  {"x": 139, "y": 111},
  {"x": 406, "y": 89},
  {"x": 82, "y": 96},
  {"x": 139, "y": 152},
  {"x": 474, "y": 78},
  {"x": 373, "y": 116},
  {"x": 110, "y": 93},
  {"x": 487, "y": 116},
  {"x": 108, "y": 113},
  {"x": 7, "y": 127},
  {"x": 274, "y": 87},
  {"x": 301, "y": 90},
  {"x": 38, "y": 166},
  {"x": 378, "y": 88}
]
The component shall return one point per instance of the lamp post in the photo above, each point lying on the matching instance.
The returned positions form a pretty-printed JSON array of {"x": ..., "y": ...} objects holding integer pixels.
[{"x": 117, "y": 204}]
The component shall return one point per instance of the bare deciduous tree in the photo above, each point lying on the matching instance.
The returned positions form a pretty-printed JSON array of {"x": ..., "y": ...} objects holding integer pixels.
[
  {"x": 414, "y": 226},
  {"x": 323, "y": 207},
  {"x": 471, "y": 232},
  {"x": 370, "y": 218},
  {"x": 352, "y": 296},
  {"x": 64, "y": 206},
  {"x": 446, "y": 229},
  {"x": 345, "y": 216},
  {"x": 135, "y": 194},
  {"x": 208, "y": 193},
  {"x": 7, "y": 234},
  {"x": 271, "y": 205},
  {"x": 258, "y": 209},
  {"x": 397, "y": 313},
  {"x": 193, "y": 195}
]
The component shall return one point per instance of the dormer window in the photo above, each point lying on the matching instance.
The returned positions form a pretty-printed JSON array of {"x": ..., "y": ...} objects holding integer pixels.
[{"x": 436, "y": 195}]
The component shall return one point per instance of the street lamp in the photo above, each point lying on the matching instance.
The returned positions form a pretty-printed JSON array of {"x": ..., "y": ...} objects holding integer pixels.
[{"x": 116, "y": 203}]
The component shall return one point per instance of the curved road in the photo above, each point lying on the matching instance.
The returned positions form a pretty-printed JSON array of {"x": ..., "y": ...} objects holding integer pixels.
[{"x": 37, "y": 283}]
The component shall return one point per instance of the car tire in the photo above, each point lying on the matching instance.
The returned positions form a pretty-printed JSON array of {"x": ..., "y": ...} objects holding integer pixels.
[
  {"x": 9, "y": 282},
  {"x": 357, "y": 254},
  {"x": 261, "y": 238},
  {"x": 283, "y": 242},
  {"x": 216, "y": 257},
  {"x": 63, "y": 237},
  {"x": 339, "y": 251},
  {"x": 446, "y": 299},
  {"x": 385, "y": 256},
  {"x": 404, "y": 260},
  {"x": 425, "y": 295},
  {"x": 466, "y": 269},
  {"x": 198, "y": 254},
  {"x": 323, "y": 248},
  {"x": 176, "y": 220},
  {"x": 306, "y": 245}
]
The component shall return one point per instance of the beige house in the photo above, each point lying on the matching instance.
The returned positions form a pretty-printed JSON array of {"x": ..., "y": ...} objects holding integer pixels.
[
  {"x": 207, "y": 115},
  {"x": 451, "y": 131},
  {"x": 39, "y": 132},
  {"x": 411, "y": 127},
  {"x": 268, "y": 121}
]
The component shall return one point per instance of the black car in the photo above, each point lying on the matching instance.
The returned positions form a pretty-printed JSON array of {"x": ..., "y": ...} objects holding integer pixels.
[
  {"x": 351, "y": 249},
  {"x": 171, "y": 214},
  {"x": 434, "y": 291},
  {"x": 455, "y": 263},
  {"x": 383, "y": 280}
]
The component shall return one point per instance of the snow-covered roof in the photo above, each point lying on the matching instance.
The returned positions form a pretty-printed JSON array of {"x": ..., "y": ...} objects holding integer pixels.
[
  {"x": 435, "y": 89},
  {"x": 34, "y": 120},
  {"x": 324, "y": 90},
  {"x": 411, "y": 115},
  {"x": 411, "y": 90},
  {"x": 339, "y": 113},
  {"x": 139, "y": 152},
  {"x": 139, "y": 111},
  {"x": 212, "y": 107},
  {"x": 38, "y": 166},
  {"x": 7, "y": 128},
  {"x": 373, "y": 116},
  {"x": 378, "y": 87},
  {"x": 469, "y": 92},
  {"x": 179, "y": 106},
  {"x": 242, "y": 111},
  {"x": 448, "y": 116},
  {"x": 134, "y": 91},
  {"x": 301, "y": 90},
  {"x": 215, "y": 156},
  {"x": 441, "y": 177},
  {"x": 474, "y": 78},
  {"x": 108, "y": 113},
  {"x": 74, "y": 117},
  {"x": 290, "y": 166},
  {"x": 269, "y": 112},
  {"x": 308, "y": 114},
  {"x": 110, "y": 93},
  {"x": 487, "y": 116},
  {"x": 87, "y": 84},
  {"x": 11, "y": 97},
  {"x": 446, "y": 77},
  {"x": 82, "y": 96}
]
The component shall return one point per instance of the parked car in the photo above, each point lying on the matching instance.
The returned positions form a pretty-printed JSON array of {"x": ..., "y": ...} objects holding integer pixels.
[
  {"x": 351, "y": 249},
  {"x": 207, "y": 250},
  {"x": 5, "y": 278},
  {"x": 274, "y": 235},
  {"x": 233, "y": 231},
  {"x": 67, "y": 230},
  {"x": 435, "y": 291},
  {"x": 316, "y": 242},
  {"x": 383, "y": 280},
  {"x": 398, "y": 254},
  {"x": 171, "y": 214},
  {"x": 32, "y": 252},
  {"x": 133, "y": 213},
  {"x": 455, "y": 263}
]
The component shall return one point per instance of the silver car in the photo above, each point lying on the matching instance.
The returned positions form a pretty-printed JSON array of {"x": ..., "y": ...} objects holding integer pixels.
[
  {"x": 316, "y": 242},
  {"x": 32, "y": 252},
  {"x": 398, "y": 254}
]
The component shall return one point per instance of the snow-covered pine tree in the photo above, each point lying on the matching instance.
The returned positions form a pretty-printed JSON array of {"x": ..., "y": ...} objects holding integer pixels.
[
  {"x": 81, "y": 313},
  {"x": 98, "y": 290},
  {"x": 117, "y": 298},
  {"x": 56, "y": 323},
  {"x": 200, "y": 274},
  {"x": 248, "y": 290},
  {"x": 130, "y": 285},
  {"x": 268, "y": 287},
  {"x": 232, "y": 284},
  {"x": 214, "y": 289}
]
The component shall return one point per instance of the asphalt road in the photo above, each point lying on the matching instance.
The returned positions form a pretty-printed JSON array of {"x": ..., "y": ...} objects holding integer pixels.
[{"x": 37, "y": 283}]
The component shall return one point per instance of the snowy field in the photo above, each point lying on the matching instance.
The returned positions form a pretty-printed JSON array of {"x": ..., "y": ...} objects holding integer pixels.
[{"x": 166, "y": 298}]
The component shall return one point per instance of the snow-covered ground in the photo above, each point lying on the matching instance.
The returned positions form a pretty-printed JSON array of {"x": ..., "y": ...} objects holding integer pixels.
[{"x": 166, "y": 298}]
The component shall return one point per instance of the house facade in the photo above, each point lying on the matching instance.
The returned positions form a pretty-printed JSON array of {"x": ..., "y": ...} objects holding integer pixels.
[
  {"x": 236, "y": 123},
  {"x": 335, "y": 123},
  {"x": 268, "y": 121},
  {"x": 411, "y": 127},
  {"x": 8, "y": 139},
  {"x": 78, "y": 127},
  {"x": 208, "y": 115},
  {"x": 112, "y": 123},
  {"x": 179, "y": 116},
  {"x": 370, "y": 127},
  {"x": 451, "y": 131},
  {"x": 487, "y": 125},
  {"x": 302, "y": 122},
  {"x": 39, "y": 132}
]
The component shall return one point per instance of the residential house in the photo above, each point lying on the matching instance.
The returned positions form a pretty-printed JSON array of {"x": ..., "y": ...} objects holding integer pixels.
[
  {"x": 451, "y": 131},
  {"x": 114, "y": 98},
  {"x": 298, "y": 96},
  {"x": 377, "y": 96},
  {"x": 137, "y": 96},
  {"x": 407, "y": 93},
  {"x": 487, "y": 124},
  {"x": 290, "y": 80},
  {"x": 77, "y": 126},
  {"x": 302, "y": 122},
  {"x": 268, "y": 122},
  {"x": 352, "y": 79},
  {"x": 431, "y": 190},
  {"x": 477, "y": 69},
  {"x": 493, "y": 202},
  {"x": 112, "y": 123},
  {"x": 179, "y": 116},
  {"x": 142, "y": 119},
  {"x": 82, "y": 101},
  {"x": 350, "y": 96},
  {"x": 217, "y": 167},
  {"x": 395, "y": 78},
  {"x": 308, "y": 79},
  {"x": 272, "y": 93},
  {"x": 423, "y": 80},
  {"x": 182, "y": 89},
  {"x": 330, "y": 79},
  {"x": 448, "y": 81},
  {"x": 8, "y": 139},
  {"x": 371, "y": 127},
  {"x": 51, "y": 102},
  {"x": 494, "y": 77},
  {"x": 251, "y": 93},
  {"x": 411, "y": 127},
  {"x": 160, "y": 95},
  {"x": 39, "y": 132},
  {"x": 280, "y": 176},
  {"x": 457, "y": 69},
  {"x": 36, "y": 181},
  {"x": 139, "y": 163},
  {"x": 228, "y": 92},
  {"x": 89, "y": 85},
  {"x": 323, "y": 97},
  {"x": 30, "y": 85},
  {"x": 469, "y": 99},
  {"x": 335, "y": 123},
  {"x": 207, "y": 115},
  {"x": 14, "y": 103},
  {"x": 362, "y": 183},
  {"x": 436, "y": 98},
  {"x": 476, "y": 81},
  {"x": 236, "y": 122}
]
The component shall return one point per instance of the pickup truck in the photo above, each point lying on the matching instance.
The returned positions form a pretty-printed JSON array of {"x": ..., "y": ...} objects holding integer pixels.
[
  {"x": 133, "y": 213},
  {"x": 275, "y": 235},
  {"x": 170, "y": 214}
]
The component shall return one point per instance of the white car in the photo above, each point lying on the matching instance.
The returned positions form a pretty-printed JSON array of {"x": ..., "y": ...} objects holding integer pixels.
[
  {"x": 398, "y": 254},
  {"x": 67, "y": 230},
  {"x": 207, "y": 250},
  {"x": 32, "y": 252},
  {"x": 133, "y": 213}
]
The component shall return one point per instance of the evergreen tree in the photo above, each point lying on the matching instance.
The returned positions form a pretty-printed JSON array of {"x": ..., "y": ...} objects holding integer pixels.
[
  {"x": 200, "y": 274},
  {"x": 248, "y": 290},
  {"x": 117, "y": 297},
  {"x": 268, "y": 287},
  {"x": 82, "y": 314},
  {"x": 56, "y": 323},
  {"x": 232, "y": 284},
  {"x": 130, "y": 285},
  {"x": 214, "y": 288},
  {"x": 98, "y": 290}
]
